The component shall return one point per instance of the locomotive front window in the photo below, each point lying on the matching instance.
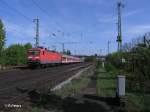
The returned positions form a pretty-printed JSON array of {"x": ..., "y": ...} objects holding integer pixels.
[{"x": 34, "y": 53}]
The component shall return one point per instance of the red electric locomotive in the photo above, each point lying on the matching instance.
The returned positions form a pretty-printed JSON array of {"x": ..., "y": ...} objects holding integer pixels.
[{"x": 41, "y": 56}]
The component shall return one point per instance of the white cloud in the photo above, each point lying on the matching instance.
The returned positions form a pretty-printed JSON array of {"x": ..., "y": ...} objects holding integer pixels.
[
  {"x": 106, "y": 19},
  {"x": 109, "y": 18},
  {"x": 17, "y": 30},
  {"x": 23, "y": 31},
  {"x": 138, "y": 30},
  {"x": 94, "y": 1},
  {"x": 131, "y": 13}
]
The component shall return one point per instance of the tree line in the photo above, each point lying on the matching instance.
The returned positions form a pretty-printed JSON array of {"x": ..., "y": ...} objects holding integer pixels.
[{"x": 13, "y": 54}]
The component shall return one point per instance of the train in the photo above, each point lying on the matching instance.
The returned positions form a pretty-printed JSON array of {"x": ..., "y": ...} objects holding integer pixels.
[{"x": 43, "y": 57}]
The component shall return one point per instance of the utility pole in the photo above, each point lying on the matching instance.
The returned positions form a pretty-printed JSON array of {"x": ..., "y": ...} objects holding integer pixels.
[
  {"x": 64, "y": 43},
  {"x": 63, "y": 47},
  {"x": 119, "y": 37},
  {"x": 75, "y": 52},
  {"x": 100, "y": 52},
  {"x": 144, "y": 40},
  {"x": 54, "y": 48},
  {"x": 36, "y": 21},
  {"x": 108, "y": 47},
  {"x": 82, "y": 36}
]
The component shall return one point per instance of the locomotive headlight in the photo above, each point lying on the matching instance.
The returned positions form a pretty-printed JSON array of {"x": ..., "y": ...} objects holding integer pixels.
[
  {"x": 29, "y": 57},
  {"x": 36, "y": 57},
  {"x": 33, "y": 58}
]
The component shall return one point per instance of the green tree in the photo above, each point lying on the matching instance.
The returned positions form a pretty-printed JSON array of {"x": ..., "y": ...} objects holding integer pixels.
[
  {"x": 115, "y": 59},
  {"x": 2, "y": 37},
  {"x": 68, "y": 52},
  {"x": 28, "y": 46},
  {"x": 17, "y": 54},
  {"x": 90, "y": 59},
  {"x": 2, "y": 42}
]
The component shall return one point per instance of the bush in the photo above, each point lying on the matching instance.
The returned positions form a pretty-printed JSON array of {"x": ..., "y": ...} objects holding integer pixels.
[
  {"x": 16, "y": 54},
  {"x": 109, "y": 67}
]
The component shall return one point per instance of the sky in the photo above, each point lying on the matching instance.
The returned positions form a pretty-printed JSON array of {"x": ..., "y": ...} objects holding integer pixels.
[{"x": 85, "y": 26}]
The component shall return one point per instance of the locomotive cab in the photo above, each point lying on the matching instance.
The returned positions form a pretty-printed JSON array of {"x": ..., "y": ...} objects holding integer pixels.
[{"x": 34, "y": 56}]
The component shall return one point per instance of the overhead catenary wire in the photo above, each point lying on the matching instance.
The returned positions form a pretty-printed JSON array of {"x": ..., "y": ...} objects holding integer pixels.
[
  {"x": 44, "y": 11},
  {"x": 20, "y": 13}
]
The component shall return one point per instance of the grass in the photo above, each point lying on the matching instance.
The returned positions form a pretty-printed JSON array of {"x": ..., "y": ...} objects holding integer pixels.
[
  {"x": 138, "y": 101},
  {"x": 35, "y": 109},
  {"x": 106, "y": 87},
  {"x": 76, "y": 85}
]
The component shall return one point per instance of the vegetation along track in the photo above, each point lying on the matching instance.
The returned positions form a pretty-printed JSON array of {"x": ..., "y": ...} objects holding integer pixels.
[{"x": 14, "y": 85}]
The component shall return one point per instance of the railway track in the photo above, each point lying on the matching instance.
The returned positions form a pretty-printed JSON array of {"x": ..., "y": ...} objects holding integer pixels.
[{"x": 14, "y": 86}]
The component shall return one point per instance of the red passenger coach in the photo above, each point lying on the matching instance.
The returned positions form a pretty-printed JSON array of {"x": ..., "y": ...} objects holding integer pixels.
[{"x": 70, "y": 59}]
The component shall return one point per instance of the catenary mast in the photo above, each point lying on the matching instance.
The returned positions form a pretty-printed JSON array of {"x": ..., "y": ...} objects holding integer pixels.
[{"x": 119, "y": 37}]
